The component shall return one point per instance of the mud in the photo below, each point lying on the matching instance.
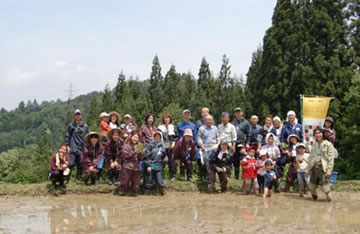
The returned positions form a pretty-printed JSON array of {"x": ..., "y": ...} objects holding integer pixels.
[{"x": 180, "y": 213}]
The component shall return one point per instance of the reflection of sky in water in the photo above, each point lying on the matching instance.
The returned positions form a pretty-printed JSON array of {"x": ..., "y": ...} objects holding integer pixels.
[{"x": 107, "y": 215}]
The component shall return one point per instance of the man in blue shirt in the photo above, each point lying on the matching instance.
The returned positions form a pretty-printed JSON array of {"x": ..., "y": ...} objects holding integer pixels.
[{"x": 291, "y": 127}]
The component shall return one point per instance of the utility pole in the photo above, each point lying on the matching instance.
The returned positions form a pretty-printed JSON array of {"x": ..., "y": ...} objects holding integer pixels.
[{"x": 70, "y": 92}]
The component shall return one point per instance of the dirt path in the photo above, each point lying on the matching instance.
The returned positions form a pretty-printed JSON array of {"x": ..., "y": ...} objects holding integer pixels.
[{"x": 179, "y": 213}]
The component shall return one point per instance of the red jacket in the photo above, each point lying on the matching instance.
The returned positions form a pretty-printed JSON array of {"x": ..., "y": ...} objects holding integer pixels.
[
  {"x": 248, "y": 172},
  {"x": 104, "y": 127},
  {"x": 62, "y": 162}
]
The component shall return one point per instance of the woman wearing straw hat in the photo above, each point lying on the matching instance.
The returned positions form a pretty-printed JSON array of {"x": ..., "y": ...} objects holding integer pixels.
[
  {"x": 114, "y": 120},
  {"x": 113, "y": 155},
  {"x": 59, "y": 167},
  {"x": 91, "y": 157}
]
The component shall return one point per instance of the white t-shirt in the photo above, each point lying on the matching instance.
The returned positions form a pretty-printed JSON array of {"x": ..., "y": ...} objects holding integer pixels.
[{"x": 303, "y": 162}]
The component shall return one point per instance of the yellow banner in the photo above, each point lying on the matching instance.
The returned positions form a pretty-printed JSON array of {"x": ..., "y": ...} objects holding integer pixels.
[{"x": 315, "y": 107}]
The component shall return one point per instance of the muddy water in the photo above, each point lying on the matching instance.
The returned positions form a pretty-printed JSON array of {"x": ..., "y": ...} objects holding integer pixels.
[{"x": 179, "y": 213}]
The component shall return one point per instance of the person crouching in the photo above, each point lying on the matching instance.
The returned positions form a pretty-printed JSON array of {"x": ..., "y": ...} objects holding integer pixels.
[
  {"x": 113, "y": 155},
  {"x": 154, "y": 156},
  {"x": 220, "y": 162},
  {"x": 59, "y": 167},
  {"x": 91, "y": 156}
]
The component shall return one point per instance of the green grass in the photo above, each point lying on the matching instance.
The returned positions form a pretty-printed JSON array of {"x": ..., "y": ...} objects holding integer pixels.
[{"x": 43, "y": 189}]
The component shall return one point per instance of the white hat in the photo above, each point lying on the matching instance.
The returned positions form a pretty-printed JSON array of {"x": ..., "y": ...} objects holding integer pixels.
[
  {"x": 291, "y": 113},
  {"x": 188, "y": 132},
  {"x": 104, "y": 114},
  {"x": 276, "y": 118},
  {"x": 127, "y": 116},
  {"x": 263, "y": 152},
  {"x": 77, "y": 111}
]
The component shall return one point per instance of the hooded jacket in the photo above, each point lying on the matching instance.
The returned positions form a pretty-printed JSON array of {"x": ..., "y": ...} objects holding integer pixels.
[
  {"x": 272, "y": 150},
  {"x": 130, "y": 157},
  {"x": 74, "y": 136},
  {"x": 155, "y": 153}
]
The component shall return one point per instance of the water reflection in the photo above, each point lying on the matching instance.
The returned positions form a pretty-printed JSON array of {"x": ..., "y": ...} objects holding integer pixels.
[{"x": 177, "y": 214}]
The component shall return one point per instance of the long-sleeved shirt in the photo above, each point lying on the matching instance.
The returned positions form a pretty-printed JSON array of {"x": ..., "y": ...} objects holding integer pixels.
[
  {"x": 146, "y": 134},
  {"x": 113, "y": 152},
  {"x": 130, "y": 157},
  {"x": 221, "y": 159},
  {"x": 184, "y": 125},
  {"x": 208, "y": 137},
  {"x": 323, "y": 153},
  {"x": 256, "y": 134},
  {"x": 63, "y": 161},
  {"x": 227, "y": 133},
  {"x": 183, "y": 149},
  {"x": 91, "y": 156},
  {"x": 289, "y": 129},
  {"x": 104, "y": 127},
  {"x": 242, "y": 127},
  {"x": 169, "y": 134},
  {"x": 74, "y": 136}
]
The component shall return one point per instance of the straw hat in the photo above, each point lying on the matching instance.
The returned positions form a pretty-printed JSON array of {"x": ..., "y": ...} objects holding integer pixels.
[
  {"x": 188, "y": 132},
  {"x": 90, "y": 134},
  {"x": 115, "y": 113},
  {"x": 110, "y": 133}
]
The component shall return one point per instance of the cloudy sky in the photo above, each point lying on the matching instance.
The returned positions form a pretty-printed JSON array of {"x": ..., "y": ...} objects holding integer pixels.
[{"x": 46, "y": 45}]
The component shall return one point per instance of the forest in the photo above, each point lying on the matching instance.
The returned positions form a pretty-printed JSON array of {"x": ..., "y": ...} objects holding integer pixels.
[{"x": 311, "y": 48}]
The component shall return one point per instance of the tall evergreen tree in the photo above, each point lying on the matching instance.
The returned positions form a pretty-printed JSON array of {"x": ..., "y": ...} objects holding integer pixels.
[
  {"x": 107, "y": 100},
  {"x": 119, "y": 89},
  {"x": 155, "y": 89},
  {"x": 169, "y": 86}
]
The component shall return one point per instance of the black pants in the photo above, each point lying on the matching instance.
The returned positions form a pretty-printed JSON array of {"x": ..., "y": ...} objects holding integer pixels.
[
  {"x": 57, "y": 176},
  {"x": 74, "y": 160},
  {"x": 202, "y": 170},
  {"x": 261, "y": 182},
  {"x": 237, "y": 161},
  {"x": 169, "y": 153}
]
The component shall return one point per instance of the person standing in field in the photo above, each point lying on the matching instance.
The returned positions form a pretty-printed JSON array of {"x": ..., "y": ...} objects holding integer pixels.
[
  {"x": 256, "y": 134},
  {"x": 128, "y": 126},
  {"x": 208, "y": 141},
  {"x": 321, "y": 164},
  {"x": 91, "y": 157},
  {"x": 170, "y": 137},
  {"x": 113, "y": 157},
  {"x": 147, "y": 130},
  {"x": 291, "y": 127},
  {"x": 204, "y": 112},
  {"x": 242, "y": 127},
  {"x": 75, "y": 140}
]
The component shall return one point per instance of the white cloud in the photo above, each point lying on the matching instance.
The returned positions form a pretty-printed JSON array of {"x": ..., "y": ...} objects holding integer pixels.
[
  {"x": 18, "y": 77},
  {"x": 61, "y": 64}
]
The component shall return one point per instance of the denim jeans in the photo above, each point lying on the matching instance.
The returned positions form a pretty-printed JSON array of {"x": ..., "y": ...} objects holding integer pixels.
[{"x": 303, "y": 178}]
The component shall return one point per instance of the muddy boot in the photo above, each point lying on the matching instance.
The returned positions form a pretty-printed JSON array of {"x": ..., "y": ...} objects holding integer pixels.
[
  {"x": 182, "y": 172},
  {"x": 86, "y": 180},
  {"x": 109, "y": 179},
  {"x": 211, "y": 188},
  {"x": 53, "y": 186},
  {"x": 223, "y": 188},
  {"x": 93, "y": 179},
  {"x": 78, "y": 176},
  {"x": 314, "y": 196},
  {"x": 237, "y": 173},
  {"x": 117, "y": 179},
  {"x": 162, "y": 191},
  {"x": 189, "y": 175},
  {"x": 301, "y": 190}
]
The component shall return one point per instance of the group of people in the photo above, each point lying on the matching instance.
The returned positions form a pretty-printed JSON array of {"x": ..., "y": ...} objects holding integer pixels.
[{"x": 260, "y": 152}]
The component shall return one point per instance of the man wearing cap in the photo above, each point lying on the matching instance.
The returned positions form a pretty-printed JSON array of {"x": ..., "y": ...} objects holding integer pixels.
[
  {"x": 204, "y": 112},
  {"x": 291, "y": 127},
  {"x": 74, "y": 139},
  {"x": 185, "y": 151},
  {"x": 242, "y": 127},
  {"x": 187, "y": 124},
  {"x": 256, "y": 134},
  {"x": 208, "y": 140},
  {"x": 227, "y": 131}
]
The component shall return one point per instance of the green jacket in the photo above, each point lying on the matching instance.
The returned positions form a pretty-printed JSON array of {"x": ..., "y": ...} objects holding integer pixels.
[{"x": 327, "y": 156}]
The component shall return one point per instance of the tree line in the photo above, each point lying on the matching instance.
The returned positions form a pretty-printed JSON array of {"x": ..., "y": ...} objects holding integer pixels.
[{"x": 311, "y": 48}]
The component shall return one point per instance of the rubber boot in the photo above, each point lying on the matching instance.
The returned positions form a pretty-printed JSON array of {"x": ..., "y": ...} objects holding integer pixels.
[
  {"x": 189, "y": 175},
  {"x": 117, "y": 178},
  {"x": 110, "y": 178},
  {"x": 78, "y": 175},
  {"x": 223, "y": 188},
  {"x": 182, "y": 172},
  {"x": 211, "y": 188},
  {"x": 93, "y": 179},
  {"x": 301, "y": 190},
  {"x": 86, "y": 179},
  {"x": 287, "y": 187},
  {"x": 237, "y": 173}
]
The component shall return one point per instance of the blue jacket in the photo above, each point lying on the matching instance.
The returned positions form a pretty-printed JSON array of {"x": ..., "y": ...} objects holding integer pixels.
[
  {"x": 155, "y": 153},
  {"x": 74, "y": 136},
  {"x": 289, "y": 129},
  {"x": 184, "y": 125}
]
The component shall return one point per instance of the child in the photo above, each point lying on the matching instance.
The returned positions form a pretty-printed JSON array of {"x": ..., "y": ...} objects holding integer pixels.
[
  {"x": 113, "y": 155},
  {"x": 130, "y": 172},
  {"x": 104, "y": 126},
  {"x": 270, "y": 178},
  {"x": 155, "y": 154},
  {"x": 260, "y": 167},
  {"x": 91, "y": 157},
  {"x": 330, "y": 133},
  {"x": 291, "y": 153},
  {"x": 59, "y": 167},
  {"x": 271, "y": 148},
  {"x": 220, "y": 162},
  {"x": 114, "y": 119},
  {"x": 302, "y": 160},
  {"x": 249, "y": 173}
]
